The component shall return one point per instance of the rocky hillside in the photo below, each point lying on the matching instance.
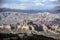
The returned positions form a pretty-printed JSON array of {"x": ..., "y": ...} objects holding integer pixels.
[{"x": 46, "y": 24}]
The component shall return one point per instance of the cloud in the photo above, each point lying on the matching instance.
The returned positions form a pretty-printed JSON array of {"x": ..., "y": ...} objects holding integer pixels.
[
  {"x": 39, "y": 0},
  {"x": 22, "y": 5},
  {"x": 28, "y": 4},
  {"x": 23, "y": 0},
  {"x": 38, "y": 4},
  {"x": 14, "y": 6},
  {"x": 53, "y": 0},
  {"x": 43, "y": 0}
]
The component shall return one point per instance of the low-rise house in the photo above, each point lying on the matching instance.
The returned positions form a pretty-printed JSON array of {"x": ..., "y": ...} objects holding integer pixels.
[
  {"x": 57, "y": 28},
  {"x": 44, "y": 28},
  {"x": 32, "y": 27},
  {"x": 25, "y": 27},
  {"x": 1, "y": 26},
  {"x": 6, "y": 26},
  {"x": 19, "y": 26}
]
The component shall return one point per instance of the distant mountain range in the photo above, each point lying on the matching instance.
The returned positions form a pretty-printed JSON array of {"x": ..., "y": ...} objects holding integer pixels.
[{"x": 54, "y": 10}]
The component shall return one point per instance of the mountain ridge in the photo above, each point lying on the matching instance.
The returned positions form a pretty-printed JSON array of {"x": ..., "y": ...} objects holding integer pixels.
[{"x": 30, "y": 11}]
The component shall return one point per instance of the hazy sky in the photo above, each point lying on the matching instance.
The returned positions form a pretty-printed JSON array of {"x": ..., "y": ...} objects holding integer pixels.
[{"x": 29, "y": 4}]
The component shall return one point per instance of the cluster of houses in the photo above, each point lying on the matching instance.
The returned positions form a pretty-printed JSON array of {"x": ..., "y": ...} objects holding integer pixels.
[
  {"x": 16, "y": 26},
  {"x": 26, "y": 26}
]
